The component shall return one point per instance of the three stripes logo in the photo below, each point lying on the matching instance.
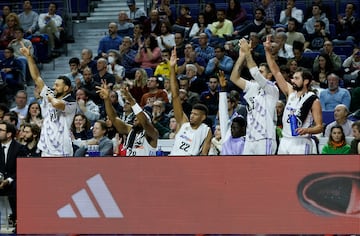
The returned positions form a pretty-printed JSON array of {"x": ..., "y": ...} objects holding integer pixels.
[{"x": 86, "y": 206}]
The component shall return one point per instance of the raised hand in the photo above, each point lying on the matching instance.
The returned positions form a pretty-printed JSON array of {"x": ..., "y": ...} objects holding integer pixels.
[
  {"x": 25, "y": 50},
  {"x": 222, "y": 79},
  {"x": 267, "y": 43},
  {"x": 173, "y": 58},
  {"x": 127, "y": 96},
  {"x": 103, "y": 90}
]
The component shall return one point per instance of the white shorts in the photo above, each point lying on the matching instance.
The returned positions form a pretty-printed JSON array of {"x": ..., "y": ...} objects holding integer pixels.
[
  {"x": 295, "y": 145},
  {"x": 260, "y": 147}
]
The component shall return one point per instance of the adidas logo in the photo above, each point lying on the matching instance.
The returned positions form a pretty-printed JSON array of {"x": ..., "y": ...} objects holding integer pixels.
[{"x": 86, "y": 206}]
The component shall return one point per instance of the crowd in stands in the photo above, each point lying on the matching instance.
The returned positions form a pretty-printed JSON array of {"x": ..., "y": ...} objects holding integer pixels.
[{"x": 135, "y": 56}]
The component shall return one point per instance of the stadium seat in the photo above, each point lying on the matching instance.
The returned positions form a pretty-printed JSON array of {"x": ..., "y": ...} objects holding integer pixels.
[{"x": 343, "y": 50}]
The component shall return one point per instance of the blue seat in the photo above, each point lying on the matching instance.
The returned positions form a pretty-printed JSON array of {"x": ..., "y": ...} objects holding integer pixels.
[
  {"x": 332, "y": 29},
  {"x": 343, "y": 50},
  {"x": 311, "y": 55},
  {"x": 328, "y": 117}
]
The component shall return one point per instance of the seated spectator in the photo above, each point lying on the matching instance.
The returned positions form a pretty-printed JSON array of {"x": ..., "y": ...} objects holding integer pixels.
[
  {"x": 210, "y": 13},
  {"x": 257, "y": 49},
  {"x": 337, "y": 143},
  {"x": 285, "y": 50},
  {"x": 302, "y": 61},
  {"x": 102, "y": 74},
  {"x": 152, "y": 24},
  {"x": 220, "y": 28},
  {"x": 99, "y": 138},
  {"x": 111, "y": 41},
  {"x": 21, "y": 106},
  {"x": 355, "y": 143},
  {"x": 155, "y": 93},
  {"x": 198, "y": 27},
  {"x": 166, "y": 40},
  {"x": 325, "y": 9},
  {"x": 347, "y": 26},
  {"x": 86, "y": 106},
  {"x": 11, "y": 72},
  {"x": 87, "y": 61},
  {"x": 31, "y": 139},
  {"x": 269, "y": 8},
  {"x": 148, "y": 55},
  {"x": 204, "y": 50},
  {"x": 291, "y": 11},
  {"x": 316, "y": 15},
  {"x": 127, "y": 57},
  {"x": 196, "y": 83},
  {"x": 256, "y": 25},
  {"x": 6, "y": 10},
  {"x": 267, "y": 29},
  {"x": 90, "y": 84},
  {"x": 321, "y": 70},
  {"x": 219, "y": 62},
  {"x": 211, "y": 98},
  {"x": 74, "y": 75},
  {"x": 351, "y": 67},
  {"x": 341, "y": 113},
  {"x": 163, "y": 68},
  {"x": 137, "y": 86},
  {"x": 29, "y": 19},
  {"x": 51, "y": 24},
  {"x": 125, "y": 27},
  {"x": 235, "y": 13},
  {"x": 114, "y": 99},
  {"x": 180, "y": 43},
  {"x": 333, "y": 95},
  {"x": 189, "y": 96},
  {"x": 34, "y": 115},
  {"x": 114, "y": 66},
  {"x": 8, "y": 34},
  {"x": 190, "y": 57},
  {"x": 164, "y": 10},
  {"x": 172, "y": 129},
  {"x": 335, "y": 59},
  {"x": 138, "y": 36},
  {"x": 185, "y": 19},
  {"x": 136, "y": 14},
  {"x": 80, "y": 127},
  {"x": 292, "y": 66},
  {"x": 292, "y": 32},
  {"x": 160, "y": 118},
  {"x": 316, "y": 40},
  {"x": 216, "y": 143},
  {"x": 3, "y": 110}
]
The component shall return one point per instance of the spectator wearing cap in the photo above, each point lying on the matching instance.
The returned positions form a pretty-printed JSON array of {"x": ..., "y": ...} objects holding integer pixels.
[{"x": 136, "y": 14}]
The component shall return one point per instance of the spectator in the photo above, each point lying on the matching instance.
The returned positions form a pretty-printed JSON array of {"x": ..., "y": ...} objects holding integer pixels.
[
  {"x": 148, "y": 55},
  {"x": 3, "y": 110},
  {"x": 10, "y": 151},
  {"x": 164, "y": 10},
  {"x": 159, "y": 118},
  {"x": 114, "y": 99},
  {"x": 337, "y": 143},
  {"x": 114, "y": 66},
  {"x": 191, "y": 97},
  {"x": 29, "y": 19},
  {"x": 172, "y": 129},
  {"x": 125, "y": 27},
  {"x": 292, "y": 32},
  {"x": 198, "y": 27},
  {"x": 320, "y": 72},
  {"x": 58, "y": 108},
  {"x": 99, "y": 138},
  {"x": 74, "y": 75},
  {"x": 335, "y": 59},
  {"x": 137, "y": 37},
  {"x": 34, "y": 115},
  {"x": 235, "y": 13},
  {"x": 51, "y": 24},
  {"x": 355, "y": 143},
  {"x": 292, "y": 66},
  {"x": 255, "y": 26},
  {"x": 216, "y": 143},
  {"x": 11, "y": 72},
  {"x": 127, "y": 56},
  {"x": 138, "y": 86},
  {"x": 190, "y": 57},
  {"x": 219, "y": 62},
  {"x": 261, "y": 97},
  {"x": 301, "y": 102},
  {"x": 136, "y": 14},
  {"x": 185, "y": 19},
  {"x": 269, "y": 7},
  {"x": 267, "y": 28},
  {"x": 210, "y": 13},
  {"x": 8, "y": 34},
  {"x": 180, "y": 44},
  {"x": 325, "y": 9},
  {"x": 204, "y": 50},
  {"x": 285, "y": 50},
  {"x": 211, "y": 98},
  {"x": 220, "y": 28},
  {"x": 142, "y": 137},
  {"x": 5, "y": 12},
  {"x": 111, "y": 41},
  {"x": 316, "y": 40},
  {"x": 90, "y": 84},
  {"x": 87, "y": 61},
  {"x": 341, "y": 113},
  {"x": 347, "y": 26},
  {"x": 152, "y": 24},
  {"x": 163, "y": 69},
  {"x": 309, "y": 25},
  {"x": 196, "y": 83},
  {"x": 333, "y": 95},
  {"x": 302, "y": 61},
  {"x": 291, "y": 11},
  {"x": 86, "y": 106},
  {"x": 80, "y": 127},
  {"x": 21, "y": 106},
  {"x": 185, "y": 143},
  {"x": 31, "y": 139},
  {"x": 102, "y": 73},
  {"x": 166, "y": 40},
  {"x": 154, "y": 93},
  {"x": 351, "y": 67}
]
